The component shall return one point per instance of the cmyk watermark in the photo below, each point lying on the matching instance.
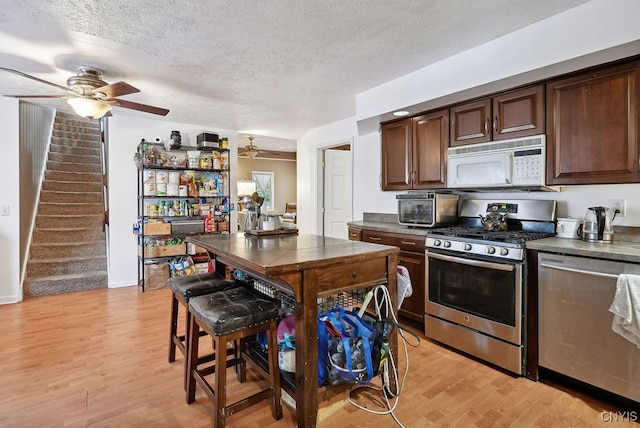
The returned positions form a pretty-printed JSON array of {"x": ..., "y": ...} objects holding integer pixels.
[{"x": 620, "y": 416}]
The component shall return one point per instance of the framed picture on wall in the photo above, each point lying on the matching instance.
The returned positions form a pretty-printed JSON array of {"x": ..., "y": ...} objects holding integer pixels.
[{"x": 264, "y": 186}]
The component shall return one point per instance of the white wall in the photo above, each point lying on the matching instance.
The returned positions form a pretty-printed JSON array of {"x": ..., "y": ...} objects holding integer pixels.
[
  {"x": 592, "y": 33},
  {"x": 125, "y": 133},
  {"x": 596, "y": 31},
  {"x": 308, "y": 169},
  {"x": 10, "y": 291}
]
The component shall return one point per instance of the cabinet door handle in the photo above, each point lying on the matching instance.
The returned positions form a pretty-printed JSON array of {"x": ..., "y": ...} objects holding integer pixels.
[
  {"x": 374, "y": 238},
  {"x": 495, "y": 124},
  {"x": 408, "y": 243},
  {"x": 486, "y": 127}
]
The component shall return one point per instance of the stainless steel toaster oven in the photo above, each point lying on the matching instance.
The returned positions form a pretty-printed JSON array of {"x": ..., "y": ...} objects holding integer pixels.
[{"x": 427, "y": 209}]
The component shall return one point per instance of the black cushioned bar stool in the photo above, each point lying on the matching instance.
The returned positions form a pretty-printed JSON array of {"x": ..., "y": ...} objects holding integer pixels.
[
  {"x": 184, "y": 288},
  {"x": 232, "y": 315}
]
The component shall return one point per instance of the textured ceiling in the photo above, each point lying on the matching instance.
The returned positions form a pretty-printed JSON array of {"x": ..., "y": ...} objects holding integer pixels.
[{"x": 272, "y": 68}]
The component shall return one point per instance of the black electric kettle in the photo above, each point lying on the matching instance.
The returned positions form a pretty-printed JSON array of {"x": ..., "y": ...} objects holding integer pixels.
[{"x": 596, "y": 226}]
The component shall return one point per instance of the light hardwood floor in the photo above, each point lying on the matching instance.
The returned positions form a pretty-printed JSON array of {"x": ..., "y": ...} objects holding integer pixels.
[{"x": 99, "y": 358}]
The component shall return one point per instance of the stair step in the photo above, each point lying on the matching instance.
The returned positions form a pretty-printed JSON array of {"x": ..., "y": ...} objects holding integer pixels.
[
  {"x": 77, "y": 127},
  {"x": 67, "y": 235},
  {"x": 91, "y": 177},
  {"x": 75, "y": 249},
  {"x": 80, "y": 137},
  {"x": 69, "y": 221},
  {"x": 86, "y": 142},
  {"x": 64, "y": 118},
  {"x": 75, "y": 158},
  {"x": 73, "y": 167},
  {"x": 57, "y": 208},
  {"x": 42, "y": 267},
  {"x": 67, "y": 149},
  {"x": 71, "y": 186},
  {"x": 73, "y": 197},
  {"x": 65, "y": 284}
]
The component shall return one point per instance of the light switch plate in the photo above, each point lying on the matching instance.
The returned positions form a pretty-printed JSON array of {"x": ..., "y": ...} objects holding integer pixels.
[{"x": 5, "y": 210}]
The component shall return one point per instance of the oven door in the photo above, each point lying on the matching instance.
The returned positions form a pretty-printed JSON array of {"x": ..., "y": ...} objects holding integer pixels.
[{"x": 485, "y": 296}]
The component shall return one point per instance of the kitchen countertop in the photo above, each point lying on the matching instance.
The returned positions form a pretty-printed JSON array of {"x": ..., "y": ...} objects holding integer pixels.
[{"x": 617, "y": 250}]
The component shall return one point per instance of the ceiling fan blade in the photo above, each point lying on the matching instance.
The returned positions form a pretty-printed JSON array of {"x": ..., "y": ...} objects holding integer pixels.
[
  {"x": 140, "y": 107},
  {"x": 116, "y": 90},
  {"x": 19, "y": 73},
  {"x": 37, "y": 96}
]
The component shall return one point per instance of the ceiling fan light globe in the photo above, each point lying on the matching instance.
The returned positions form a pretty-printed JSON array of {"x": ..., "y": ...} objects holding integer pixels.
[
  {"x": 251, "y": 153},
  {"x": 89, "y": 108}
]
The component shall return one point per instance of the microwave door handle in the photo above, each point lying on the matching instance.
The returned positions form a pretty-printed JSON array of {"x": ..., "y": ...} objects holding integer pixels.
[
  {"x": 508, "y": 170},
  {"x": 471, "y": 262}
]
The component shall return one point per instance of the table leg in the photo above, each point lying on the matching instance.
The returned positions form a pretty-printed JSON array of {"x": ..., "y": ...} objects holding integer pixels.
[{"x": 307, "y": 355}]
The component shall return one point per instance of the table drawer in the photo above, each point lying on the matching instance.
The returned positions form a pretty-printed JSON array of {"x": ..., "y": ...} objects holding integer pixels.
[{"x": 349, "y": 276}]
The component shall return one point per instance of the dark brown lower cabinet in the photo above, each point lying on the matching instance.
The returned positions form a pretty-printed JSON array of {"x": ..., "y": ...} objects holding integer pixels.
[{"x": 412, "y": 257}]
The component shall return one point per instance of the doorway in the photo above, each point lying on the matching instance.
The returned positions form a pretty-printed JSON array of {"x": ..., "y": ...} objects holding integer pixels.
[{"x": 335, "y": 190}]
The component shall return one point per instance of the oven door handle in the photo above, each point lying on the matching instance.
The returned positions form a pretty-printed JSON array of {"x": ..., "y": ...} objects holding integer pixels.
[{"x": 472, "y": 262}]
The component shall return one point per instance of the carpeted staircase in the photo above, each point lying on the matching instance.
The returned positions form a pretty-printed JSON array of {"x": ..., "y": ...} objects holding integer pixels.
[{"x": 68, "y": 249}]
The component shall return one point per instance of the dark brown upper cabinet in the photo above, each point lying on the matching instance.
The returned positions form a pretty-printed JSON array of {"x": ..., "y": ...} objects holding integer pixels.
[
  {"x": 512, "y": 114},
  {"x": 414, "y": 151},
  {"x": 592, "y": 132}
]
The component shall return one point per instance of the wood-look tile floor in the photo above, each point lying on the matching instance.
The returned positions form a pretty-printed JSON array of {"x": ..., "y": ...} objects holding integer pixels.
[{"x": 99, "y": 359}]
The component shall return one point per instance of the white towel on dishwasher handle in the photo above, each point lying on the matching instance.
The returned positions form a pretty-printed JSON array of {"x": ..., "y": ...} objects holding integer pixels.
[{"x": 626, "y": 308}]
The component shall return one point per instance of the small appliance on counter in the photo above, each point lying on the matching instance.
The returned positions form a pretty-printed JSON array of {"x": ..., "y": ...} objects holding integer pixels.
[
  {"x": 597, "y": 225},
  {"x": 427, "y": 209},
  {"x": 208, "y": 140},
  {"x": 568, "y": 227}
]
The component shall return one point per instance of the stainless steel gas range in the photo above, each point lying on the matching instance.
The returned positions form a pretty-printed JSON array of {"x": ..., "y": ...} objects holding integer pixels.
[{"x": 476, "y": 278}]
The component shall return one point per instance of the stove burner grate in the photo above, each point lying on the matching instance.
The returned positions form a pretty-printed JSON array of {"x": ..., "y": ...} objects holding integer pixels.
[{"x": 509, "y": 236}]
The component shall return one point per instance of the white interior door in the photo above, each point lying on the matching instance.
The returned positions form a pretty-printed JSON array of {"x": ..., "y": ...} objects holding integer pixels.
[{"x": 337, "y": 193}]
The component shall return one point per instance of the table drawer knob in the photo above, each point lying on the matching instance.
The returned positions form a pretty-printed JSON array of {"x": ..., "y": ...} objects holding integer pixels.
[{"x": 354, "y": 274}]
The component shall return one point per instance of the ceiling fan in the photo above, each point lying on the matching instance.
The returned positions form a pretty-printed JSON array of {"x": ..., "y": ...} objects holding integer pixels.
[
  {"x": 90, "y": 96},
  {"x": 250, "y": 150}
]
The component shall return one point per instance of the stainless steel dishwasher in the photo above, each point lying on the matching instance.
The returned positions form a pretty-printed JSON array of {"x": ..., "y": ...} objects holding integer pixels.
[{"x": 575, "y": 335}]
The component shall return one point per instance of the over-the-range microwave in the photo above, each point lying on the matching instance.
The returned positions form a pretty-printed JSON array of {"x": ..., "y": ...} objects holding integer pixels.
[{"x": 519, "y": 162}]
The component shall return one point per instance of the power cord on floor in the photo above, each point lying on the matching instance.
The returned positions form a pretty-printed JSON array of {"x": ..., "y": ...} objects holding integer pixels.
[{"x": 383, "y": 306}]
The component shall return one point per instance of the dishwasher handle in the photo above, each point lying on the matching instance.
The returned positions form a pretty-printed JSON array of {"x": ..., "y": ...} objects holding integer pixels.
[{"x": 582, "y": 271}]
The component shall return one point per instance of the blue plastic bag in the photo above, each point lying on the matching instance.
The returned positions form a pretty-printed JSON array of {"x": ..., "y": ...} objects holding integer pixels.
[{"x": 344, "y": 348}]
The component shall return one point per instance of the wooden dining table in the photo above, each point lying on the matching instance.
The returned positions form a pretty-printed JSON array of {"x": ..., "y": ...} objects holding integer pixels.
[{"x": 308, "y": 267}]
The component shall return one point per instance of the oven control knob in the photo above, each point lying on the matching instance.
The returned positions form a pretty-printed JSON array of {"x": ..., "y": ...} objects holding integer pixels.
[
  {"x": 504, "y": 251},
  {"x": 446, "y": 244},
  {"x": 490, "y": 250},
  {"x": 436, "y": 242},
  {"x": 466, "y": 247}
]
